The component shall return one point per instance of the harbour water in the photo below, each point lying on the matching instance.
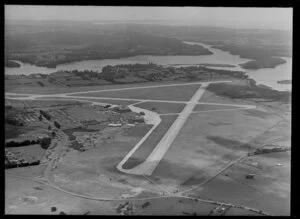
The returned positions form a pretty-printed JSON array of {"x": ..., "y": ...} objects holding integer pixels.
[{"x": 266, "y": 76}]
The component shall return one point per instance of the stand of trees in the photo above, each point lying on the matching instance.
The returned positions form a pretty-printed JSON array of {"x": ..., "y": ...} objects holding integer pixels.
[
  {"x": 41, "y": 84},
  {"x": 14, "y": 165},
  {"x": 13, "y": 121},
  {"x": 44, "y": 142},
  {"x": 21, "y": 144}
]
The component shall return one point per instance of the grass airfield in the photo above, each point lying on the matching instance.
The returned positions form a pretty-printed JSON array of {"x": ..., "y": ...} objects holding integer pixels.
[{"x": 208, "y": 141}]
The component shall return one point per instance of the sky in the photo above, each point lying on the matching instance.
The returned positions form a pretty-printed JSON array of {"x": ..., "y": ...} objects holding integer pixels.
[{"x": 273, "y": 18}]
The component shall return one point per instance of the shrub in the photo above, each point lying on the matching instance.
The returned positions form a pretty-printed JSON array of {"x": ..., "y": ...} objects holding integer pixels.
[
  {"x": 45, "y": 142},
  {"x": 57, "y": 125},
  {"x": 45, "y": 114},
  {"x": 41, "y": 84}
]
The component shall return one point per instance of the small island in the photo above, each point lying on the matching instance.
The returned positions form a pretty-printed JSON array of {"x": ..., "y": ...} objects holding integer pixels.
[
  {"x": 206, "y": 65},
  {"x": 285, "y": 82},
  {"x": 217, "y": 65},
  {"x": 269, "y": 62}
]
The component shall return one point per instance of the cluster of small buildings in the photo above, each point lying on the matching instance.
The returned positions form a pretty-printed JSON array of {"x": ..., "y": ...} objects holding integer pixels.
[
  {"x": 27, "y": 116},
  {"x": 114, "y": 116},
  {"x": 88, "y": 140},
  {"x": 123, "y": 115},
  {"x": 65, "y": 119},
  {"x": 125, "y": 209},
  {"x": 269, "y": 149},
  {"x": 130, "y": 120},
  {"x": 120, "y": 109}
]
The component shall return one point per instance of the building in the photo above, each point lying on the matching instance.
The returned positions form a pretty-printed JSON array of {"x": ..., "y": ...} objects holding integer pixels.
[
  {"x": 121, "y": 109},
  {"x": 114, "y": 124},
  {"x": 138, "y": 119}
]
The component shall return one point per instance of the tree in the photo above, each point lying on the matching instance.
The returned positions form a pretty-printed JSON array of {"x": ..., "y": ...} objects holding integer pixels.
[
  {"x": 40, "y": 118},
  {"x": 45, "y": 114},
  {"x": 41, "y": 84},
  {"x": 45, "y": 143},
  {"x": 49, "y": 127},
  {"x": 57, "y": 125}
]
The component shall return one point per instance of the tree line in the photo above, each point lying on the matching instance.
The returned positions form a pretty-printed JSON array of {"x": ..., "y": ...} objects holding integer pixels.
[{"x": 44, "y": 142}]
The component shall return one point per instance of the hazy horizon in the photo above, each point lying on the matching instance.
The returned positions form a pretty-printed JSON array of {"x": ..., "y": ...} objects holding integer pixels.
[{"x": 266, "y": 18}]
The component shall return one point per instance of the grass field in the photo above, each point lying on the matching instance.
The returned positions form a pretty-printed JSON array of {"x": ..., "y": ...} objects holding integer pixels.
[
  {"x": 31, "y": 153},
  {"x": 180, "y": 93},
  {"x": 177, "y": 206},
  {"x": 109, "y": 101},
  {"x": 205, "y": 107},
  {"x": 149, "y": 144},
  {"x": 60, "y": 89},
  {"x": 39, "y": 198},
  {"x": 82, "y": 113},
  {"x": 161, "y": 108},
  {"x": 137, "y": 131},
  {"x": 268, "y": 191},
  {"x": 84, "y": 168},
  {"x": 12, "y": 131},
  {"x": 211, "y": 97},
  {"x": 206, "y": 143},
  {"x": 45, "y": 103},
  {"x": 22, "y": 196},
  {"x": 240, "y": 212},
  {"x": 16, "y": 96}
]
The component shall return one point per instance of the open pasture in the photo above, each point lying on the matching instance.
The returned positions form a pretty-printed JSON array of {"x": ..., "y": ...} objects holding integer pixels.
[
  {"x": 206, "y": 143},
  {"x": 26, "y": 89},
  {"x": 176, "y": 93},
  {"x": 99, "y": 100},
  {"x": 94, "y": 171},
  {"x": 85, "y": 113},
  {"x": 207, "y": 107},
  {"x": 162, "y": 108},
  {"x": 268, "y": 191},
  {"x": 30, "y": 153}
]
